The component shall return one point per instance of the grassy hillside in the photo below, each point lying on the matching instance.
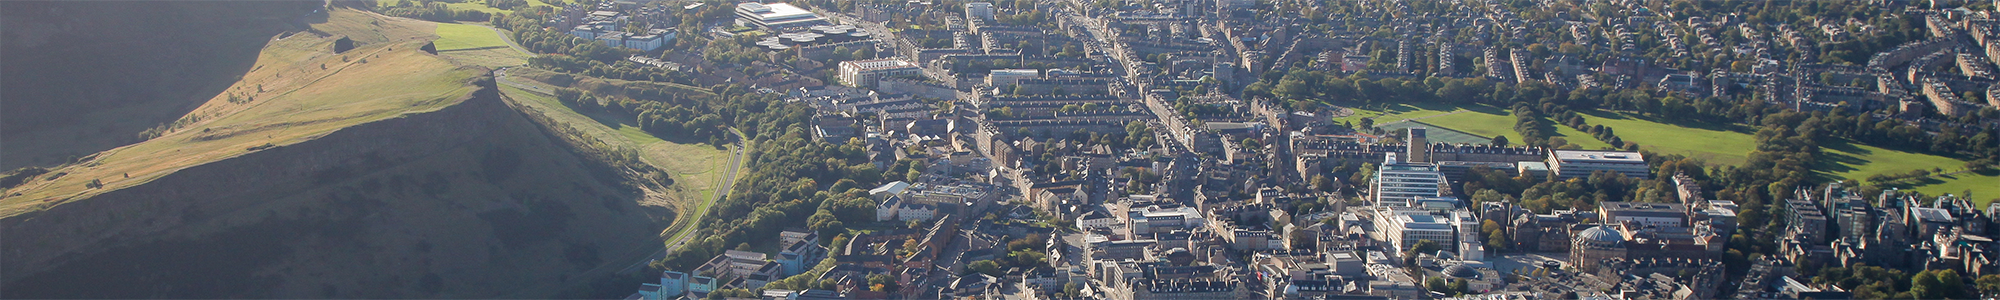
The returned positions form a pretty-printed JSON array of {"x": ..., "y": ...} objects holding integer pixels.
[
  {"x": 698, "y": 170},
  {"x": 87, "y": 76},
  {"x": 380, "y": 172},
  {"x": 297, "y": 90}
]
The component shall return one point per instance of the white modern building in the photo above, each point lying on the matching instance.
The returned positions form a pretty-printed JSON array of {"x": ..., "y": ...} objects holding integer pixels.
[
  {"x": 1401, "y": 228},
  {"x": 1579, "y": 163},
  {"x": 981, "y": 10},
  {"x": 1006, "y": 78},
  {"x": 864, "y": 73},
  {"x": 1399, "y": 184},
  {"x": 775, "y": 16}
]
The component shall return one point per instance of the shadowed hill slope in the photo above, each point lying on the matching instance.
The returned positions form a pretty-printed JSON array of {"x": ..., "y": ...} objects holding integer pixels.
[
  {"x": 379, "y": 172},
  {"x": 85, "y": 76}
]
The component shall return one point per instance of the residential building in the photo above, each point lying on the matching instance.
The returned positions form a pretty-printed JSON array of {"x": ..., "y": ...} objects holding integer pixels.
[
  {"x": 865, "y": 73},
  {"x": 1006, "y": 78},
  {"x": 981, "y": 10}
]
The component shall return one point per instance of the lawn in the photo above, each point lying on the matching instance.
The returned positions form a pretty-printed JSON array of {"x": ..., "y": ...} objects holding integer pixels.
[
  {"x": 297, "y": 92},
  {"x": 1729, "y": 145},
  {"x": 1856, "y": 161},
  {"x": 1483, "y": 121},
  {"x": 1395, "y": 112},
  {"x": 1489, "y": 122},
  {"x": 466, "y": 36}
]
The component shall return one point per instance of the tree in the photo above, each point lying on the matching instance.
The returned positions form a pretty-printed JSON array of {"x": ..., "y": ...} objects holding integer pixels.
[
  {"x": 1989, "y": 285},
  {"x": 987, "y": 267},
  {"x": 1500, "y": 141},
  {"x": 1437, "y": 284},
  {"x": 883, "y": 283},
  {"x": 1322, "y": 183},
  {"x": 1421, "y": 247}
]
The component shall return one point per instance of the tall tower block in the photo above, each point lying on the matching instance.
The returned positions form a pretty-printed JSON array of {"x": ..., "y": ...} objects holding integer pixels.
[{"x": 1419, "y": 148}]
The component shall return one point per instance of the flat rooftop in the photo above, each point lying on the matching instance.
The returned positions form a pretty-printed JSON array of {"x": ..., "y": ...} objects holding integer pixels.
[
  {"x": 776, "y": 13},
  {"x": 1615, "y": 206},
  {"x": 879, "y": 64},
  {"x": 1599, "y": 156}
]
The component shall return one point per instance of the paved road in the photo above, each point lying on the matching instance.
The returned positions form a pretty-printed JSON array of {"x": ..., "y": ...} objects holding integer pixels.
[{"x": 510, "y": 42}]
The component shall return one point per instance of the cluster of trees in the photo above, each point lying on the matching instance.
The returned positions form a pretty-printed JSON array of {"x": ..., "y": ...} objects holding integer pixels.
[
  {"x": 1872, "y": 282},
  {"x": 1025, "y": 253},
  {"x": 1601, "y": 133},
  {"x": 617, "y": 69},
  {"x": 783, "y": 186},
  {"x": 659, "y": 118},
  {"x": 507, "y": 4},
  {"x": 528, "y": 31},
  {"x": 1453, "y": 287},
  {"x": 433, "y": 11},
  {"x": 737, "y": 50},
  {"x": 1968, "y": 143},
  {"x": 1535, "y": 129}
]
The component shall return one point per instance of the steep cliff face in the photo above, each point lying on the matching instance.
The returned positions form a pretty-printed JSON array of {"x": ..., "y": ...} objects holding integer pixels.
[
  {"x": 86, "y": 76},
  {"x": 472, "y": 200}
]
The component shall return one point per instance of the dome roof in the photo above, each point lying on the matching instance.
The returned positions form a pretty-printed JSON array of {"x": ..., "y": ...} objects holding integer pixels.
[
  {"x": 1460, "y": 271},
  {"x": 1597, "y": 234}
]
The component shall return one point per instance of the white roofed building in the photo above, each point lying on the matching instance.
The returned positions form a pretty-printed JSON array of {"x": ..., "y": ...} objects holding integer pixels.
[
  {"x": 1579, "y": 163},
  {"x": 775, "y": 16}
]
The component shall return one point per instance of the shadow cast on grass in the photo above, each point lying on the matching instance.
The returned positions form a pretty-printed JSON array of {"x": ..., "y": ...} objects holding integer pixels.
[{"x": 1738, "y": 128}]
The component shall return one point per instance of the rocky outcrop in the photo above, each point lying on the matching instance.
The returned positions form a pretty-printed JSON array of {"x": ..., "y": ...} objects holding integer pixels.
[{"x": 469, "y": 201}]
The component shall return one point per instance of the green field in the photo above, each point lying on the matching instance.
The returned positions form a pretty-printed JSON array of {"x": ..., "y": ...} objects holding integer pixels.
[
  {"x": 1489, "y": 122},
  {"x": 1396, "y": 112},
  {"x": 1856, "y": 161},
  {"x": 1717, "y": 144},
  {"x": 453, "y": 37},
  {"x": 1484, "y": 121}
]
